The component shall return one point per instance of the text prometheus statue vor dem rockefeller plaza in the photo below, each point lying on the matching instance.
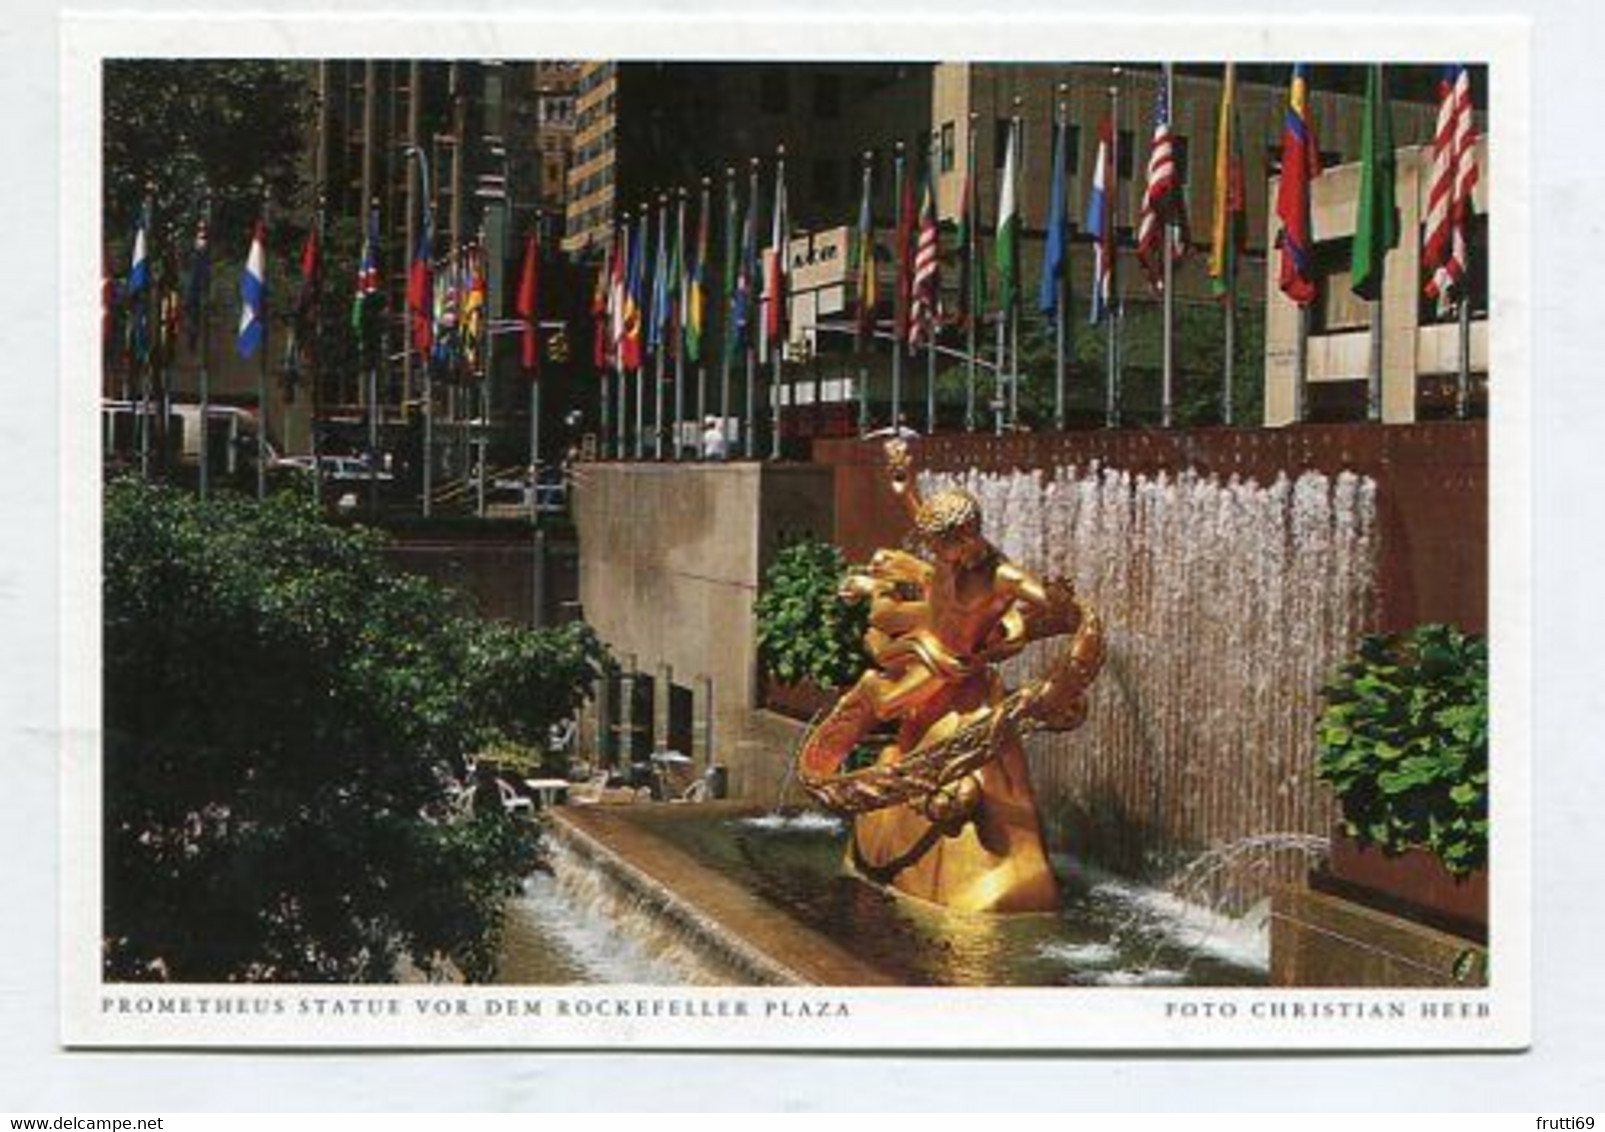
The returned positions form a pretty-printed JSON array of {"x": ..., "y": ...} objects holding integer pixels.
[{"x": 946, "y": 813}]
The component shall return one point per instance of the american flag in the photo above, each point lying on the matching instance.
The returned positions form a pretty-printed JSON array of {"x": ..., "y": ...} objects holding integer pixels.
[
  {"x": 1454, "y": 176},
  {"x": 1161, "y": 199},
  {"x": 924, "y": 296}
]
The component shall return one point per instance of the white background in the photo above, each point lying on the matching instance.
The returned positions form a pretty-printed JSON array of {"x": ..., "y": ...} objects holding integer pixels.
[{"x": 1563, "y": 1072}]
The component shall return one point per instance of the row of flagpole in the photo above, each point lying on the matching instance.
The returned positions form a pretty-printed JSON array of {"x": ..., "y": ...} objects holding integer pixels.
[{"x": 451, "y": 331}]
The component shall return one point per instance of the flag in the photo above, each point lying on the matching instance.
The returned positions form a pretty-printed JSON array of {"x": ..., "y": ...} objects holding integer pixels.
[
  {"x": 905, "y": 256},
  {"x": 1454, "y": 176},
  {"x": 777, "y": 266},
  {"x": 137, "y": 291},
  {"x": 1161, "y": 197},
  {"x": 1007, "y": 253},
  {"x": 741, "y": 296},
  {"x": 472, "y": 321},
  {"x": 634, "y": 299},
  {"x": 1101, "y": 224},
  {"x": 926, "y": 291},
  {"x": 618, "y": 293},
  {"x": 972, "y": 274},
  {"x": 306, "y": 306},
  {"x": 367, "y": 298},
  {"x": 197, "y": 283},
  {"x": 1301, "y": 164},
  {"x": 601, "y": 342},
  {"x": 421, "y": 290},
  {"x": 1056, "y": 246},
  {"x": 447, "y": 336},
  {"x": 108, "y": 301},
  {"x": 528, "y": 308},
  {"x": 1229, "y": 223},
  {"x": 252, "y": 334},
  {"x": 732, "y": 258},
  {"x": 696, "y": 287},
  {"x": 865, "y": 276},
  {"x": 658, "y": 323},
  {"x": 1376, "y": 228}
]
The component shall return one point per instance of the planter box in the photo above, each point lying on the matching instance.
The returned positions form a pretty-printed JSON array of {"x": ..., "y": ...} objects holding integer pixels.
[
  {"x": 797, "y": 701},
  {"x": 1413, "y": 884}
]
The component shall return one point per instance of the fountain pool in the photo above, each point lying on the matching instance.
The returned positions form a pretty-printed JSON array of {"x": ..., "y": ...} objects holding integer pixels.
[{"x": 720, "y": 894}]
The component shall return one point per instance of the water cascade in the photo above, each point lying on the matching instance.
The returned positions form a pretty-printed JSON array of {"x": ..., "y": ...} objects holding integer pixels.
[{"x": 1226, "y": 606}]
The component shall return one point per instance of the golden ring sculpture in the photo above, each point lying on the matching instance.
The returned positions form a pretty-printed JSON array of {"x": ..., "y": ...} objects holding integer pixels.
[{"x": 946, "y": 813}]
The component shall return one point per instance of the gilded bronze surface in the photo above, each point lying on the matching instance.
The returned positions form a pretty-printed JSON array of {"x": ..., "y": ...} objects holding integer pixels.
[{"x": 946, "y": 813}]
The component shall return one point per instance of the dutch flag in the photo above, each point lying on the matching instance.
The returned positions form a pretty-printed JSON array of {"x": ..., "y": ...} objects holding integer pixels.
[
  {"x": 253, "y": 295},
  {"x": 1100, "y": 227}
]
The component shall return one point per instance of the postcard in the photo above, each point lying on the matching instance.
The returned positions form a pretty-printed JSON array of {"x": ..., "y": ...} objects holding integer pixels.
[{"x": 954, "y": 535}]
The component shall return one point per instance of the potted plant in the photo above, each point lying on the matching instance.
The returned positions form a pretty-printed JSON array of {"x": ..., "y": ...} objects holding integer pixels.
[
  {"x": 810, "y": 642},
  {"x": 1403, "y": 742}
]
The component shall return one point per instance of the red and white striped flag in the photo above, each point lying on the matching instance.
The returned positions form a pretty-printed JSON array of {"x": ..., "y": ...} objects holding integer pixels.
[
  {"x": 925, "y": 291},
  {"x": 1454, "y": 176},
  {"x": 1161, "y": 199}
]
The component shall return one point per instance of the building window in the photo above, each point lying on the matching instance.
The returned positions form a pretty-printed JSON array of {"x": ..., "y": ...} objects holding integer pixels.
[
  {"x": 774, "y": 92},
  {"x": 827, "y": 96},
  {"x": 948, "y": 147},
  {"x": 1000, "y": 142},
  {"x": 1181, "y": 152},
  {"x": 1337, "y": 309},
  {"x": 1126, "y": 146}
]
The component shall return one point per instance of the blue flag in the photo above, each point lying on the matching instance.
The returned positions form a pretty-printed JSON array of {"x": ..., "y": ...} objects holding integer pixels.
[
  {"x": 1058, "y": 234},
  {"x": 253, "y": 296}
]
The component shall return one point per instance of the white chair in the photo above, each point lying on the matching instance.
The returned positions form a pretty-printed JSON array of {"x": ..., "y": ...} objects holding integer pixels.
[{"x": 513, "y": 802}]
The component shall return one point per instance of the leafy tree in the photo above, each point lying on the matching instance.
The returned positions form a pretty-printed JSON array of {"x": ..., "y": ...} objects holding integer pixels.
[
  {"x": 282, "y": 717},
  {"x": 192, "y": 128}
]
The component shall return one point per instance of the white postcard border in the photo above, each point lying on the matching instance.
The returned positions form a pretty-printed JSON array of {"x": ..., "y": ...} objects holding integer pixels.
[{"x": 1498, "y": 1017}]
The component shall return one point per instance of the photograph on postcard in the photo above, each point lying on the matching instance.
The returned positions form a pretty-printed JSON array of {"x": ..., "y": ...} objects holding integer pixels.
[{"x": 793, "y": 531}]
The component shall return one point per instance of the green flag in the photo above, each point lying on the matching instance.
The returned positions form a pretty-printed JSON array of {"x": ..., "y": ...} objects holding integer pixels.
[
  {"x": 1008, "y": 247},
  {"x": 1376, "y": 227}
]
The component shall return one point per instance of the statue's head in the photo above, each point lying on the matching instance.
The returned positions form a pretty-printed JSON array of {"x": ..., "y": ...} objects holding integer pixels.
[{"x": 949, "y": 522}]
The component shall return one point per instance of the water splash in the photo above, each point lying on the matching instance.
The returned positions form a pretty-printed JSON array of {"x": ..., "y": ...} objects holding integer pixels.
[{"x": 1226, "y": 605}]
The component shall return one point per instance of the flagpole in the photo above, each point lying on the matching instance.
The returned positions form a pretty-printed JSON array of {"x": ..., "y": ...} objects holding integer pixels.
[
  {"x": 1230, "y": 366},
  {"x": 1168, "y": 390},
  {"x": 749, "y": 443},
  {"x": 936, "y": 295},
  {"x": 660, "y": 324},
  {"x": 676, "y": 330},
  {"x": 704, "y": 221},
  {"x": 1301, "y": 366},
  {"x": 726, "y": 342},
  {"x": 1112, "y": 314},
  {"x": 1060, "y": 297},
  {"x": 972, "y": 257},
  {"x": 534, "y": 392},
  {"x": 645, "y": 333},
  {"x": 414, "y": 80},
  {"x": 315, "y": 352},
  {"x": 204, "y": 378},
  {"x": 1017, "y": 125},
  {"x": 777, "y": 349},
  {"x": 152, "y": 330},
  {"x": 262, "y": 367},
  {"x": 864, "y": 344},
  {"x": 899, "y": 297},
  {"x": 1463, "y": 376}
]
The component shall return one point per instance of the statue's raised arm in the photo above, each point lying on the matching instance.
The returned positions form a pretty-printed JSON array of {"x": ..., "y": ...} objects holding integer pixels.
[{"x": 900, "y": 468}]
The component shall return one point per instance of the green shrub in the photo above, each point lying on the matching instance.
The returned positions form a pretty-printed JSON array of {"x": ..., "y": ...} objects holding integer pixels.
[
  {"x": 1404, "y": 743},
  {"x": 805, "y": 632},
  {"x": 281, "y": 710}
]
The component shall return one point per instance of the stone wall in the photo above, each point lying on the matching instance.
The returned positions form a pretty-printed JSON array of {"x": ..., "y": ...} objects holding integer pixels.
[{"x": 670, "y": 561}]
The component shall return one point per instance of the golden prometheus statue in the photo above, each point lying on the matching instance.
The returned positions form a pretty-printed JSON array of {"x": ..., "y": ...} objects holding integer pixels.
[{"x": 947, "y": 813}]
